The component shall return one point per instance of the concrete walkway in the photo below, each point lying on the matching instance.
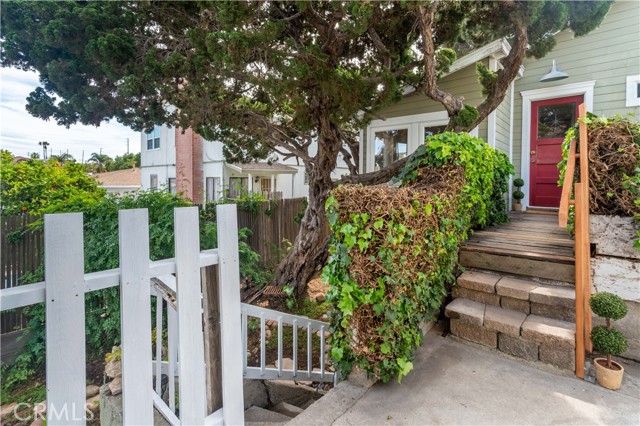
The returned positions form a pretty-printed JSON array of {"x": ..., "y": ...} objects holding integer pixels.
[{"x": 458, "y": 384}]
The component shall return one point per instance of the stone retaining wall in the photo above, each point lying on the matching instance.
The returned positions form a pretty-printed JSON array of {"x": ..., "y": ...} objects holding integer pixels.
[{"x": 615, "y": 267}]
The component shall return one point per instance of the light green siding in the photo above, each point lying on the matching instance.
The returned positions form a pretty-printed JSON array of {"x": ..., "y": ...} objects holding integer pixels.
[
  {"x": 607, "y": 55},
  {"x": 461, "y": 83},
  {"x": 503, "y": 116}
]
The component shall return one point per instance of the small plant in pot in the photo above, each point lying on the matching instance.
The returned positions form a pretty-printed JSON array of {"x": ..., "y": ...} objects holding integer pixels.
[
  {"x": 518, "y": 195},
  {"x": 607, "y": 339}
]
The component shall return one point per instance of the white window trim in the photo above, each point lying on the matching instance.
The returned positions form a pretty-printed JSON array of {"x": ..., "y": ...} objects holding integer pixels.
[
  {"x": 584, "y": 88},
  {"x": 632, "y": 91},
  {"x": 415, "y": 123}
]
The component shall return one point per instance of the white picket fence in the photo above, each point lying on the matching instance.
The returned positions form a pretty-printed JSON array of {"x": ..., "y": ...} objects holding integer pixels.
[{"x": 63, "y": 293}]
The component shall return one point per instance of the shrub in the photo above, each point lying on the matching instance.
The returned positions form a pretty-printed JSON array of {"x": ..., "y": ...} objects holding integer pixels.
[
  {"x": 608, "y": 305},
  {"x": 608, "y": 341},
  {"x": 394, "y": 250},
  {"x": 606, "y": 338}
]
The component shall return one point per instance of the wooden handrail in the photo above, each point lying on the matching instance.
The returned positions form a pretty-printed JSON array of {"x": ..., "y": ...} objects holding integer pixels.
[
  {"x": 582, "y": 240},
  {"x": 563, "y": 213}
]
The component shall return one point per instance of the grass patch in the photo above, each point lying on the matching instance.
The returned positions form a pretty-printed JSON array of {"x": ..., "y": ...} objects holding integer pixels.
[{"x": 311, "y": 309}]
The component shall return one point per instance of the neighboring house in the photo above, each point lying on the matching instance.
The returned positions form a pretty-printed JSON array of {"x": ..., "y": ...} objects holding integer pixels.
[
  {"x": 182, "y": 161},
  {"x": 603, "y": 70},
  {"x": 120, "y": 181}
]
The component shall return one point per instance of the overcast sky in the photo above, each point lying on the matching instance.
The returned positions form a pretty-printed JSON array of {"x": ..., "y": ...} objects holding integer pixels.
[{"x": 20, "y": 132}]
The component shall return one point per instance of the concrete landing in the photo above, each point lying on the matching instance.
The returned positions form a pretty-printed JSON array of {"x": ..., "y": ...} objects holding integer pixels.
[{"x": 458, "y": 384}]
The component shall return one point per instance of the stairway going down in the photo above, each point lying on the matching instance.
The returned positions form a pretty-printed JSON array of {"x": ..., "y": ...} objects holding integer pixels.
[{"x": 517, "y": 294}]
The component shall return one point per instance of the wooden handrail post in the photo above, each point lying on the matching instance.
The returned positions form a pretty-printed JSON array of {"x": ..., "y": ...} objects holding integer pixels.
[
  {"x": 212, "y": 352},
  {"x": 580, "y": 315}
]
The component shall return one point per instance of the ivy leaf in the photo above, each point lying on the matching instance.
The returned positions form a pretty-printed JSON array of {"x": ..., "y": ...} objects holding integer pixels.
[{"x": 385, "y": 348}]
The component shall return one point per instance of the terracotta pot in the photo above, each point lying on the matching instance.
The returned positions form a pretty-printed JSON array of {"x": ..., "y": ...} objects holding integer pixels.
[
  {"x": 608, "y": 378},
  {"x": 517, "y": 207}
]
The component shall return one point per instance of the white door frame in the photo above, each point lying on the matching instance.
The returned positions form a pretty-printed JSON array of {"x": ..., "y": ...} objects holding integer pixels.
[{"x": 584, "y": 88}]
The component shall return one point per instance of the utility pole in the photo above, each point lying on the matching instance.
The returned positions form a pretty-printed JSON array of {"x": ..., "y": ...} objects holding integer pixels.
[
  {"x": 83, "y": 156},
  {"x": 127, "y": 145},
  {"x": 100, "y": 150}
]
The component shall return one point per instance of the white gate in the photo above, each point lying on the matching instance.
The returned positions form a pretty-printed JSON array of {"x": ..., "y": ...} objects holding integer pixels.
[{"x": 63, "y": 293}]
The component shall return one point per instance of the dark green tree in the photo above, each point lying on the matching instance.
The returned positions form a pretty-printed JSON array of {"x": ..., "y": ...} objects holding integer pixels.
[
  {"x": 272, "y": 76},
  {"x": 124, "y": 161}
]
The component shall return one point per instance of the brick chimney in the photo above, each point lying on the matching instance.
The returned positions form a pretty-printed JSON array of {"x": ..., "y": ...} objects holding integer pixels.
[{"x": 189, "y": 172}]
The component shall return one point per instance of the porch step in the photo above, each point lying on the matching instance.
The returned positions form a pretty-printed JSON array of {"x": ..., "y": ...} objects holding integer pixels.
[
  {"x": 261, "y": 416},
  {"x": 518, "y": 294},
  {"x": 529, "y": 244},
  {"x": 530, "y": 337}
]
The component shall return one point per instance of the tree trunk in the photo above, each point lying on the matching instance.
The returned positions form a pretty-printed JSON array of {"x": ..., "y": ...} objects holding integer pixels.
[{"x": 310, "y": 249}]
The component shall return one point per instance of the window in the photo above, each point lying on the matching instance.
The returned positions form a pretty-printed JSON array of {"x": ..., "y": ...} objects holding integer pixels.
[
  {"x": 212, "y": 188},
  {"x": 555, "y": 120},
  {"x": 390, "y": 145},
  {"x": 171, "y": 185},
  {"x": 237, "y": 186},
  {"x": 633, "y": 91},
  {"x": 153, "y": 138},
  {"x": 153, "y": 181},
  {"x": 433, "y": 130},
  {"x": 265, "y": 185}
]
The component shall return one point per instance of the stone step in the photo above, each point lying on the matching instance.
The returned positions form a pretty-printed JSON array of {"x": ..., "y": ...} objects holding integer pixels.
[
  {"x": 527, "y": 296},
  {"x": 504, "y": 262},
  {"x": 530, "y": 337},
  {"x": 256, "y": 415}
]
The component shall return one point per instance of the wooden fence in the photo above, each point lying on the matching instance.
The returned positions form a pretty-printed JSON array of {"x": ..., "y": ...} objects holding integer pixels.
[
  {"x": 20, "y": 252},
  {"x": 273, "y": 228}
]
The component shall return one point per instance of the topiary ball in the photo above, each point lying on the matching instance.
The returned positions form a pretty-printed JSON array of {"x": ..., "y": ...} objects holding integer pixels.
[
  {"x": 608, "y": 305},
  {"x": 609, "y": 341},
  {"x": 518, "y": 195},
  {"x": 518, "y": 182}
]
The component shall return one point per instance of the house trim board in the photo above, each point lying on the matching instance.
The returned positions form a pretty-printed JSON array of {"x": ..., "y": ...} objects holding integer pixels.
[
  {"x": 512, "y": 90},
  {"x": 491, "y": 120},
  {"x": 585, "y": 88}
]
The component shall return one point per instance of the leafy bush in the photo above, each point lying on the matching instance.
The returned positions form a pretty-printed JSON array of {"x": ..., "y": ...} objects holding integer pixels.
[
  {"x": 518, "y": 182},
  {"x": 32, "y": 186},
  {"x": 102, "y": 252},
  {"x": 394, "y": 250}
]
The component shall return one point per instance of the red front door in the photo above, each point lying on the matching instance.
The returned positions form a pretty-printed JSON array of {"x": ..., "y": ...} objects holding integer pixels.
[{"x": 550, "y": 120}]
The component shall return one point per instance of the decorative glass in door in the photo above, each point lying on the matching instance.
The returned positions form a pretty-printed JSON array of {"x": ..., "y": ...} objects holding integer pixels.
[
  {"x": 390, "y": 145},
  {"x": 555, "y": 120}
]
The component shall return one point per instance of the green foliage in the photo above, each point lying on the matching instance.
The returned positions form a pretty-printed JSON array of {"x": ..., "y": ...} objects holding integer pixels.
[
  {"x": 292, "y": 300},
  {"x": 465, "y": 117},
  {"x": 518, "y": 182},
  {"x": 124, "y": 161},
  {"x": 608, "y": 305},
  {"x": 486, "y": 173},
  {"x": 486, "y": 77},
  {"x": 414, "y": 263},
  {"x": 608, "y": 340},
  {"x": 32, "y": 186},
  {"x": 518, "y": 195}
]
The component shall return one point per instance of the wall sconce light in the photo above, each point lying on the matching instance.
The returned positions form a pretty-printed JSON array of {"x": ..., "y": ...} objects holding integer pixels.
[{"x": 555, "y": 74}]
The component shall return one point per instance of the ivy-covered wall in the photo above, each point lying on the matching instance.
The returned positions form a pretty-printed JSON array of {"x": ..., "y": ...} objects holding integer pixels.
[{"x": 395, "y": 248}]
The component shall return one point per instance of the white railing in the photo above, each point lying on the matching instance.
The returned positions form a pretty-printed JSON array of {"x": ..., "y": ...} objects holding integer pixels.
[
  {"x": 63, "y": 294},
  {"x": 309, "y": 328}
]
